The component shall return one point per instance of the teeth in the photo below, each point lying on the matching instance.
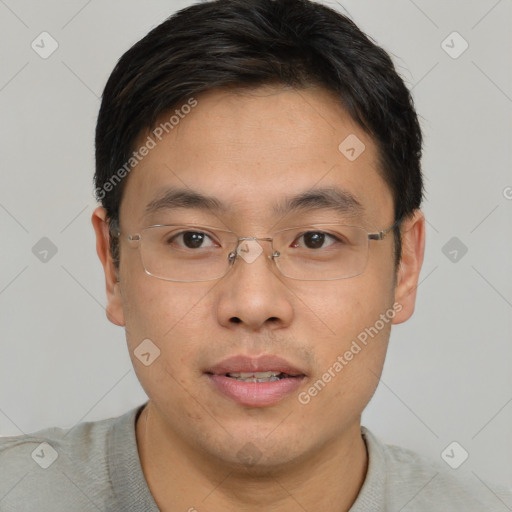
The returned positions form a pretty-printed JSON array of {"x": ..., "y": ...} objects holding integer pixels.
[
  {"x": 258, "y": 375},
  {"x": 255, "y": 376}
]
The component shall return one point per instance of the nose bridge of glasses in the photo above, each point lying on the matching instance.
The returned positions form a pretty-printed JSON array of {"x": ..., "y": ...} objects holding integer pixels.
[
  {"x": 249, "y": 248},
  {"x": 265, "y": 239}
]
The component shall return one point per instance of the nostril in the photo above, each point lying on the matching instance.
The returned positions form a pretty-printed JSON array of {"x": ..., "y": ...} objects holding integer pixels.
[{"x": 235, "y": 320}]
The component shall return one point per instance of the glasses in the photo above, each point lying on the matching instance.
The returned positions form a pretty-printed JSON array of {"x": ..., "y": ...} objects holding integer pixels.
[{"x": 193, "y": 253}]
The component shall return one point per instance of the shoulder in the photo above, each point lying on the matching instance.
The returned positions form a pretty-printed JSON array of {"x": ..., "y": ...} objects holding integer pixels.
[
  {"x": 414, "y": 482},
  {"x": 57, "y": 468}
]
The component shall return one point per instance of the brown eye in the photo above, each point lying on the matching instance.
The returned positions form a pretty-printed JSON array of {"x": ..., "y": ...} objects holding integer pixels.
[
  {"x": 191, "y": 239},
  {"x": 315, "y": 240}
]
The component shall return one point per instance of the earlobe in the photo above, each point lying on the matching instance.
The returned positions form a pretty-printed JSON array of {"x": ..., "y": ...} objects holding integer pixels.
[
  {"x": 114, "y": 308},
  {"x": 413, "y": 248}
]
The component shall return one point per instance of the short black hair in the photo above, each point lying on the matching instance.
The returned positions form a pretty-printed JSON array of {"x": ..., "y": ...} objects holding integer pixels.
[{"x": 250, "y": 43}]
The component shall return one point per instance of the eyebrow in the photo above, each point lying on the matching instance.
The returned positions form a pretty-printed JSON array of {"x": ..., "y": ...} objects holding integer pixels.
[
  {"x": 327, "y": 198},
  {"x": 184, "y": 198}
]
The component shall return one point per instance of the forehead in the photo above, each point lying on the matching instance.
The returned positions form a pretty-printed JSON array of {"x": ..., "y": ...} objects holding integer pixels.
[{"x": 253, "y": 149}]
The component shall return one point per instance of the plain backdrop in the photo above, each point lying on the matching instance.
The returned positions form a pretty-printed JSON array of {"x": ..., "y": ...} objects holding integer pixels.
[{"x": 448, "y": 372}]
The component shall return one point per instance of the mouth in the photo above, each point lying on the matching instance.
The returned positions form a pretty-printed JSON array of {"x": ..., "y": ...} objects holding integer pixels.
[
  {"x": 255, "y": 382},
  {"x": 269, "y": 376},
  {"x": 261, "y": 367}
]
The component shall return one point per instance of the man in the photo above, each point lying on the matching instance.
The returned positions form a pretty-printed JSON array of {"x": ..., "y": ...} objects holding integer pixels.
[{"x": 258, "y": 167}]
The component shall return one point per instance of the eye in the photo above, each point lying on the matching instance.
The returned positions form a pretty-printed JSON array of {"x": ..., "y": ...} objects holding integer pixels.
[
  {"x": 315, "y": 240},
  {"x": 191, "y": 239}
]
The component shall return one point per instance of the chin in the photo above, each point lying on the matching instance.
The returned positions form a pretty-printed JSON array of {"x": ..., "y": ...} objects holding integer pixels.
[{"x": 259, "y": 453}]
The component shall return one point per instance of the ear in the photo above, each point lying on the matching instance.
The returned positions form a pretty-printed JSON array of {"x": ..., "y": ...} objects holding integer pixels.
[
  {"x": 413, "y": 248},
  {"x": 114, "y": 309}
]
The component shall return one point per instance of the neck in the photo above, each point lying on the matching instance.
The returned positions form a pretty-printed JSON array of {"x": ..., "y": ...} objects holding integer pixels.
[{"x": 179, "y": 478}]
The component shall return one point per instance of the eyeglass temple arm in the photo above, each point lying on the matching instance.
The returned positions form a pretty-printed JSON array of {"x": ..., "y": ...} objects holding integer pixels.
[{"x": 381, "y": 234}]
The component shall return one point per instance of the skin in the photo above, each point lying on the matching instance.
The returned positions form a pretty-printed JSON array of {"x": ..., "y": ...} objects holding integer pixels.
[{"x": 251, "y": 149}]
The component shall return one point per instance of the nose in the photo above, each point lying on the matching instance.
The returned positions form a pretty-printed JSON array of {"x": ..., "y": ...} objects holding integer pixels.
[{"x": 253, "y": 293}]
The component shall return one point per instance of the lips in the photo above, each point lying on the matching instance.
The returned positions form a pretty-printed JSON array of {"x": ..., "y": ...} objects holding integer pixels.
[
  {"x": 244, "y": 364},
  {"x": 255, "y": 382}
]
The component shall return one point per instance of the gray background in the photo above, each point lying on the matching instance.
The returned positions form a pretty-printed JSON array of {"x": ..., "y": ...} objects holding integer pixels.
[{"x": 447, "y": 376}]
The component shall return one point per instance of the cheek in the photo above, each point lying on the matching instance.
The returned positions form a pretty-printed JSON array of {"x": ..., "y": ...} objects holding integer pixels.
[
  {"x": 155, "y": 308},
  {"x": 350, "y": 329},
  {"x": 337, "y": 311},
  {"x": 170, "y": 315},
  {"x": 163, "y": 332}
]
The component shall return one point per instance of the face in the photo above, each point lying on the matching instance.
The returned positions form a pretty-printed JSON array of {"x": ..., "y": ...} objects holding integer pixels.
[{"x": 252, "y": 151}]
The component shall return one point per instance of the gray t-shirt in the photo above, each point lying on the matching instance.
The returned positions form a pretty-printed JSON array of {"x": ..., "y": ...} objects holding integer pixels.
[{"x": 95, "y": 466}]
